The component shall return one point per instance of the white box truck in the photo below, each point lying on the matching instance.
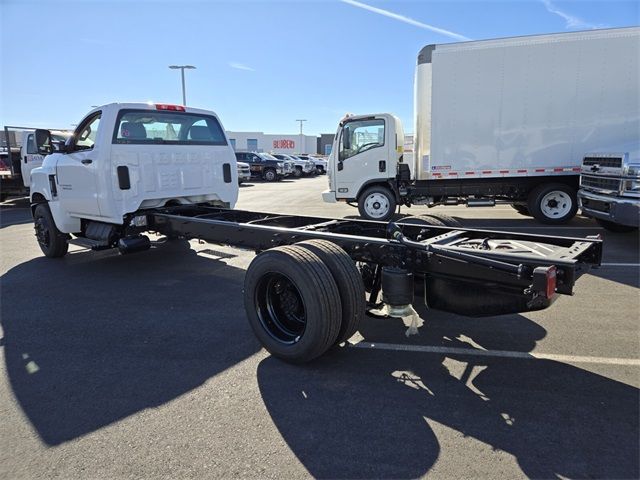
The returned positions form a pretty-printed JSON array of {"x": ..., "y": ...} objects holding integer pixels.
[{"x": 507, "y": 120}]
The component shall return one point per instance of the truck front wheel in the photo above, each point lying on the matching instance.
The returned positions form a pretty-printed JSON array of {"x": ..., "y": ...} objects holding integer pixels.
[
  {"x": 553, "y": 203},
  {"x": 377, "y": 203},
  {"x": 292, "y": 303},
  {"x": 52, "y": 241}
]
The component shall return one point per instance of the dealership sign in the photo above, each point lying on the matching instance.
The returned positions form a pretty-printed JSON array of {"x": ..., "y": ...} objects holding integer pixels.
[{"x": 287, "y": 144}]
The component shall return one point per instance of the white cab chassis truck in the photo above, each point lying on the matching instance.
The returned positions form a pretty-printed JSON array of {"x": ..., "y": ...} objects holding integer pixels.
[
  {"x": 507, "y": 120},
  {"x": 130, "y": 169}
]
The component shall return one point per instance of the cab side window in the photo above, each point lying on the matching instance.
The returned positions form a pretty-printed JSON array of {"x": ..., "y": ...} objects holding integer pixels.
[
  {"x": 85, "y": 136},
  {"x": 361, "y": 135}
]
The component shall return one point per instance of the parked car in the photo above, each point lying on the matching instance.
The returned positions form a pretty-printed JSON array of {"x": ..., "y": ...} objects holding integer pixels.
[
  {"x": 300, "y": 167},
  {"x": 320, "y": 163},
  {"x": 244, "y": 172},
  {"x": 262, "y": 165}
]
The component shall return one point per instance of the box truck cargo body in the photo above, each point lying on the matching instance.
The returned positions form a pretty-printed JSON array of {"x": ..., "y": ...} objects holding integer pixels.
[{"x": 507, "y": 119}]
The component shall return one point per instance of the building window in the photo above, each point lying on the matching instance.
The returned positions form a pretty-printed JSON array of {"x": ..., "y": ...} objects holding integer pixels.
[
  {"x": 252, "y": 144},
  {"x": 327, "y": 149},
  {"x": 232, "y": 141}
]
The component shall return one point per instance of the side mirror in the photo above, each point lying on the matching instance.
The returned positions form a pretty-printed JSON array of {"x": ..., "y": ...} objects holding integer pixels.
[
  {"x": 346, "y": 139},
  {"x": 43, "y": 142}
]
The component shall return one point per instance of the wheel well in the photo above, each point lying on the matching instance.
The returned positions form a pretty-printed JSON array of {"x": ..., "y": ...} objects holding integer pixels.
[
  {"x": 374, "y": 183},
  {"x": 36, "y": 199}
]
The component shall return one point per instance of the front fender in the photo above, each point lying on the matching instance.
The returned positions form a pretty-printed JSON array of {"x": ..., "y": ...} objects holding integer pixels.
[{"x": 40, "y": 185}]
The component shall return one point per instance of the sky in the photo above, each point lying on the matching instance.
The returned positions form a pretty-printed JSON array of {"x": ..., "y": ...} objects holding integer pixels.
[{"x": 260, "y": 65}]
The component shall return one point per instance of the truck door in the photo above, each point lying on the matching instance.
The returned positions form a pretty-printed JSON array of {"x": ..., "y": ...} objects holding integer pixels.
[
  {"x": 30, "y": 158},
  {"x": 77, "y": 170},
  {"x": 363, "y": 155}
]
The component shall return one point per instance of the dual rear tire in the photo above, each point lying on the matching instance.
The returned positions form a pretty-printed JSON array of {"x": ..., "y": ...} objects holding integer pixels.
[{"x": 303, "y": 299}]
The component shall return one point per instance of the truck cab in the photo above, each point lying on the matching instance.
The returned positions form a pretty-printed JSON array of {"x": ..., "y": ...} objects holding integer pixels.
[
  {"x": 366, "y": 152},
  {"x": 127, "y": 157}
]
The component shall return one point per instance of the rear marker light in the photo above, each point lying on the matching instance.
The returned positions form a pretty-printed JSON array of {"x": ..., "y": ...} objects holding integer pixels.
[
  {"x": 544, "y": 281},
  {"x": 171, "y": 108}
]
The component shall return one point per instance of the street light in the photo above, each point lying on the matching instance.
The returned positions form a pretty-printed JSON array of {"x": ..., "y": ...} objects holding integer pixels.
[
  {"x": 182, "y": 67},
  {"x": 301, "y": 138}
]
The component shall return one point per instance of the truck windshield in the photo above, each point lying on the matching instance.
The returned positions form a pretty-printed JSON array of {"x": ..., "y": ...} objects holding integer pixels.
[
  {"x": 175, "y": 128},
  {"x": 266, "y": 156}
]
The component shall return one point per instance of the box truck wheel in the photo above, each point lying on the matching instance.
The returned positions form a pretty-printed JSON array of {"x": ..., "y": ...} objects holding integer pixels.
[
  {"x": 349, "y": 282},
  {"x": 553, "y": 203},
  {"x": 52, "y": 241},
  {"x": 292, "y": 303},
  {"x": 377, "y": 203}
]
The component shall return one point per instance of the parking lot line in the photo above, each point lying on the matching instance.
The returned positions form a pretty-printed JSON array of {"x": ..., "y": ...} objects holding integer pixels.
[
  {"x": 498, "y": 353},
  {"x": 620, "y": 264}
]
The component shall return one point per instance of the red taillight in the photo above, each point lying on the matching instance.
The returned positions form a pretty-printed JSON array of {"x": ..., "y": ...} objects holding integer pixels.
[
  {"x": 170, "y": 108},
  {"x": 544, "y": 281},
  {"x": 551, "y": 281}
]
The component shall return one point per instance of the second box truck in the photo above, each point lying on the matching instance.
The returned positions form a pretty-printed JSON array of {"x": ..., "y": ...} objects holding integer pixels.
[{"x": 507, "y": 120}]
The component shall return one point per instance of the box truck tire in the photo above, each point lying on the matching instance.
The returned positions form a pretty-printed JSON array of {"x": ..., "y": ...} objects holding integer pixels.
[
  {"x": 553, "y": 203},
  {"x": 377, "y": 203}
]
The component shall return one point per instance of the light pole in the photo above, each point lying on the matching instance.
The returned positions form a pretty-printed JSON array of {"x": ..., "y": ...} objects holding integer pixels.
[
  {"x": 182, "y": 67},
  {"x": 301, "y": 120}
]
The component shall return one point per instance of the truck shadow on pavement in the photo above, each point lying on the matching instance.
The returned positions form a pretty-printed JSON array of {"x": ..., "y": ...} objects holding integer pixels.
[
  {"x": 109, "y": 336},
  {"x": 360, "y": 413}
]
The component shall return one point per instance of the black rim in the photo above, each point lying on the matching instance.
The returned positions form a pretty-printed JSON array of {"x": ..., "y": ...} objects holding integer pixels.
[
  {"x": 42, "y": 232},
  {"x": 280, "y": 308}
]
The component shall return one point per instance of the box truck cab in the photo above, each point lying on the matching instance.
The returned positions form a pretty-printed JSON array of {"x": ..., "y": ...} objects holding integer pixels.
[
  {"x": 127, "y": 157},
  {"x": 506, "y": 120}
]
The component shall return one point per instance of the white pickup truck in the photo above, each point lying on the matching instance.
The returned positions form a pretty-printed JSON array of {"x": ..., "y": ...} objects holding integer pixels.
[{"x": 135, "y": 168}]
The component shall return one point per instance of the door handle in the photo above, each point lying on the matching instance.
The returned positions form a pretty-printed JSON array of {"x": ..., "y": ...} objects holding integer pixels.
[{"x": 87, "y": 161}]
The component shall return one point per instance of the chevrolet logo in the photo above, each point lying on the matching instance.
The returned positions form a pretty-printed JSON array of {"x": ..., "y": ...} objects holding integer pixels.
[{"x": 595, "y": 168}]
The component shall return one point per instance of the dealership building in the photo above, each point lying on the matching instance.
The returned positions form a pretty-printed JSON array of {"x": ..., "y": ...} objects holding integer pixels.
[{"x": 276, "y": 143}]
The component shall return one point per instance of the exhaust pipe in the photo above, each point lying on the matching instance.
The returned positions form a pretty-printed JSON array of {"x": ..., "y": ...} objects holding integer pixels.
[{"x": 133, "y": 244}]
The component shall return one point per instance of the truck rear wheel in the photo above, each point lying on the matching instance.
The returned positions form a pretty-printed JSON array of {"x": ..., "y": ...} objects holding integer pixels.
[
  {"x": 349, "y": 282},
  {"x": 270, "y": 175},
  {"x": 52, "y": 241},
  {"x": 377, "y": 203},
  {"x": 553, "y": 203},
  {"x": 292, "y": 303}
]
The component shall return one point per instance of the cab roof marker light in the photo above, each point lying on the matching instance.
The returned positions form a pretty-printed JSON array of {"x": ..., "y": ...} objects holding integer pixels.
[{"x": 171, "y": 108}]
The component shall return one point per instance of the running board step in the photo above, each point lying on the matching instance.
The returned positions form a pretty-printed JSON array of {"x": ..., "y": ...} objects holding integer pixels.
[{"x": 88, "y": 243}]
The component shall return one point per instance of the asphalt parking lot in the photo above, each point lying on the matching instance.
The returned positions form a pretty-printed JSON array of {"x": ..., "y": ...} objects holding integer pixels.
[{"x": 144, "y": 366}]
